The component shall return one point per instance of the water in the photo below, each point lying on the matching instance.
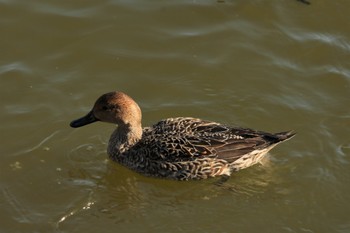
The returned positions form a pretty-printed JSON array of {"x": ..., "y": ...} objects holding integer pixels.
[{"x": 269, "y": 65}]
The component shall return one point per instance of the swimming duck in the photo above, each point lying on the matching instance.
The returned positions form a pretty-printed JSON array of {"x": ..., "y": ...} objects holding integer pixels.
[{"x": 181, "y": 148}]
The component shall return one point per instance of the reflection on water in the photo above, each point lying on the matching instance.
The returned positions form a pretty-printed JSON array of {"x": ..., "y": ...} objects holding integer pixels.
[
  {"x": 268, "y": 65},
  {"x": 131, "y": 197}
]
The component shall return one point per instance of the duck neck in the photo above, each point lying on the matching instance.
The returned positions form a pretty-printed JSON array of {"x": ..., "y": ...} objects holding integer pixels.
[{"x": 123, "y": 138}]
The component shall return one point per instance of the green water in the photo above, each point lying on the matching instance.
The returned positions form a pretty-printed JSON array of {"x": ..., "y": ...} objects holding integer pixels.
[{"x": 268, "y": 65}]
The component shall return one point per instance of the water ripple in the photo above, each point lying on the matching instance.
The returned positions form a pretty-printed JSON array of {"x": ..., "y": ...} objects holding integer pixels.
[
  {"x": 42, "y": 142},
  {"x": 55, "y": 9},
  {"x": 15, "y": 66},
  {"x": 301, "y": 35},
  {"x": 22, "y": 215},
  {"x": 338, "y": 70}
]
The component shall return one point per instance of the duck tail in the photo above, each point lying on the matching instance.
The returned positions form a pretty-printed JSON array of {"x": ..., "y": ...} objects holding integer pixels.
[{"x": 283, "y": 136}]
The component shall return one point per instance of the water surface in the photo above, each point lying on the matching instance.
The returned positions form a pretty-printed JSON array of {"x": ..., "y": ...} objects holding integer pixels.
[{"x": 269, "y": 65}]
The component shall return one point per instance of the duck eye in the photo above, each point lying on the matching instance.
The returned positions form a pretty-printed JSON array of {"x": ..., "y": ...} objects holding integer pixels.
[{"x": 104, "y": 108}]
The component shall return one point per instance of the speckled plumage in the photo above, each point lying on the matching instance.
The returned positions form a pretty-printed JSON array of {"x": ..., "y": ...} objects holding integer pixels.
[{"x": 180, "y": 148}]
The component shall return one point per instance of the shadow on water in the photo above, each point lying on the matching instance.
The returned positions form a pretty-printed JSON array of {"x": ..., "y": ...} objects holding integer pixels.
[{"x": 120, "y": 196}]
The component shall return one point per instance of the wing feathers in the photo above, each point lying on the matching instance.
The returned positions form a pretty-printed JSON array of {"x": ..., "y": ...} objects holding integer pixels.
[{"x": 185, "y": 139}]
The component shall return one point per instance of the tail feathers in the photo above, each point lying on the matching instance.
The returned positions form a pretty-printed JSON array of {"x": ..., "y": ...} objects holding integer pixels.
[{"x": 283, "y": 136}]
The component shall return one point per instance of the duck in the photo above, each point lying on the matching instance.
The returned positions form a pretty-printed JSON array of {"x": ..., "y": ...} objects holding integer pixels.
[{"x": 181, "y": 148}]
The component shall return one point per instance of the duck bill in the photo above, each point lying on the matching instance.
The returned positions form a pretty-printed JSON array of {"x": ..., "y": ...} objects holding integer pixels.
[{"x": 85, "y": 120}]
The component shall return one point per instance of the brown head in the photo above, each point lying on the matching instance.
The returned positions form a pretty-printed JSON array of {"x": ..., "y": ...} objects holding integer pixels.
[{"x": 112, "y": 107}]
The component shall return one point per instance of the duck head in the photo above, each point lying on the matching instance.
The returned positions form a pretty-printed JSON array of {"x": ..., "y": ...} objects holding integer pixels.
[{"x": 113, "y": 107}]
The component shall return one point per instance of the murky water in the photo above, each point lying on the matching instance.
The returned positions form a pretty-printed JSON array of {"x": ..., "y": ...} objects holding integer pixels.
[{"x": 269, "y": 65}]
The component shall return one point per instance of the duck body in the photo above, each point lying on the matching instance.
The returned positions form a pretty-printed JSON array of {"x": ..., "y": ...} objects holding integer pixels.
[{"x": 180, "y": 148}]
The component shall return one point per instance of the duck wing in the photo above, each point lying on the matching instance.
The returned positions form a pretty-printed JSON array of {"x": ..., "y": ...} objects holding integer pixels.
[{"x": 187, "y": 139}]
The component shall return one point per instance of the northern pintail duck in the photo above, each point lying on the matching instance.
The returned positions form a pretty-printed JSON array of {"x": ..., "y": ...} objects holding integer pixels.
[{"x": 181, "y": 148}]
